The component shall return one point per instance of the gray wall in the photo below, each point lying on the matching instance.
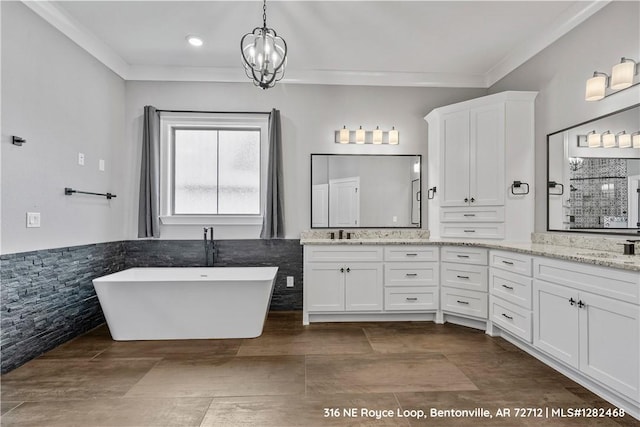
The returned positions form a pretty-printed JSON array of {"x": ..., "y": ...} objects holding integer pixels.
[
  {"x": 560, "y": 72},
  {"x": 62, "y": 101},
  {"x": 310, "y": 116}
]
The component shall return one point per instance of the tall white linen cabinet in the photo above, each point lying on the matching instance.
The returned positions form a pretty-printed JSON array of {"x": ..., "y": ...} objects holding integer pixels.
[{"x": 480, "y": 168}]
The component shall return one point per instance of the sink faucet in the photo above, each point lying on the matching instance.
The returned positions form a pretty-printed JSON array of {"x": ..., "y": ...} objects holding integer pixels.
[
  {"x": 209, "y": 247},
  {"x": 630, "y": 246}
]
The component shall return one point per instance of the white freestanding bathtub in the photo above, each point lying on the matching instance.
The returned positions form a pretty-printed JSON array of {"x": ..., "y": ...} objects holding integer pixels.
[{"x": 169, "y": 303}]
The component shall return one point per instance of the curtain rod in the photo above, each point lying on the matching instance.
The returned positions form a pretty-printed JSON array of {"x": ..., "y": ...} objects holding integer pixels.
[{"x": 213, "y": 112}]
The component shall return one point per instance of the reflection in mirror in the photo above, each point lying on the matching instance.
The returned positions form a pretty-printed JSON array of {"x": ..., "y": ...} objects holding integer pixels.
[
  {"x": 365, "y": 191},
  {"x": 594, "y": 175}
]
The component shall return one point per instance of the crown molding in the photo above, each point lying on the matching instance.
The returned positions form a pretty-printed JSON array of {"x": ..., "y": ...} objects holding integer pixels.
[
  {"x": 83, "y": 37},
  {"x": 567, "y": 21}
]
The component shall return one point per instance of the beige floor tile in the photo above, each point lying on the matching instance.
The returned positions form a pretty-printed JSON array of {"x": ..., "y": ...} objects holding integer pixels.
[
  {"x": 49, "y": 379},
  {"x": 223, "y": 376},
  {"x": 307, "y": 341},
  {"x": 308, "y": 411},
  {"x": 7, "y": 406},
  {"x": 383, "y": 373},
  {"x": 110, "y": 413}
]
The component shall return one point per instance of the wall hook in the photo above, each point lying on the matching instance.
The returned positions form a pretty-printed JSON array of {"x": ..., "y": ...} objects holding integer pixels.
[{"x": 16, "y": 140}]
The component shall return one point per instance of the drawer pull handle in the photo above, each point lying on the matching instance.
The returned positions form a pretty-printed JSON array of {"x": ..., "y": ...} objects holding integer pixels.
[
  {"x": 507, "y": 316},
  {"x": 463, "y": 256},
  {"x": 342, "y": 270},
  {"x": 507, "y": 262},
  {"x": 462, "y": 277},
  {"x": 508, "y": 287},
  {"x": 412, "y": 299},
  {"x": 412, "y": 254},
  {"x": 411, "y": 274},
  {"x": 469, "y": 231},
  {"x": 462, "y": 302},
  {"x": 348, "y": 270},
  {"x": 469, "y": 215},
  {"x": 572, "y": 301}
]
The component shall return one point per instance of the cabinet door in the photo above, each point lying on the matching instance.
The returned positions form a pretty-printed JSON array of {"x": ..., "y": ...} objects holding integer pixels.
[
  {"x": 555, "y": 325},
  {"x": 486, "y": 157},
  {"x": 454, "y": 159},
  {"x": 324, "y": 287},
  {"x": 610, "y": 343},
  {"x": 363, "y": 287}
]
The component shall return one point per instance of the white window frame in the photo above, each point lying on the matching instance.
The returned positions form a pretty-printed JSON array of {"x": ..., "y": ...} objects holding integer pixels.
[{"x": 169, "y": 121}]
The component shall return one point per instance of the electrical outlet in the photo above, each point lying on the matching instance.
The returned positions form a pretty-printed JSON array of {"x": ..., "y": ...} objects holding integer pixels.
[
  {"x": 289, "y": 281},
  {"x": 395, "y": 218},
  {"x": 81, "y": 159},
  {"x": 33, "y": 219},
  {"x": 101, "y": 165}
]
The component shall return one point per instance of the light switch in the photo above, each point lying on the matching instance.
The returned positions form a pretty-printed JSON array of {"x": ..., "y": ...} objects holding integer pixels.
[
  {"x": 101, "y": 165},
  {"x": 395, "y": 218},
  {"x": 33, "y": 219},
  {"x": 289, "y": 281},
  {"x": 81, "y": 159}
]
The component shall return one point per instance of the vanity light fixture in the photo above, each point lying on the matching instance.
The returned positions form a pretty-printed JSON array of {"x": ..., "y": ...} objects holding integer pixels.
[
  {"x": 344, "y": 135},
  {"x": 377, "y": 135},
  {"x": 596, "y": 86},
  {"x": 635, "y": 137},
  {"x": 608, "y": 139},
  {"x": 360, "y": 136},
  {"x": 624, "y": 139},
  {"x": 622, "y": 73},
  {"x": 393, "y": 136},
  {"x": 593, "y": 139}
]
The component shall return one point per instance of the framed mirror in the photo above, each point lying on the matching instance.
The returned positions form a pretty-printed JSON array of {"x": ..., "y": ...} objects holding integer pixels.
[
  {"x": 366, "y": 191},
  {"x": 593, "y": 175}
]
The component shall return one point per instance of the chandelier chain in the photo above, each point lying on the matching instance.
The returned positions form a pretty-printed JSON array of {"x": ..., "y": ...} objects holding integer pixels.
[{"x": 264, "y": 14}]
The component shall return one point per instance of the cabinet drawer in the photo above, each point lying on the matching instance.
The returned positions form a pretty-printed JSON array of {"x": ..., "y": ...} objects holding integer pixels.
[
  {"x": 510, "y": 317},
  {"x": 475, "y": 214},
  {"x": 342, "y": 253},
  {"x": 411, "y": 274},
  {"x": 465, "y": 254},
  {"x": 464, "y": 276},
  {"x": 411, "y": 253},
  {"x": 461, "y": 301},
  {"x": 489, "y": 230},
  {"x": 514, "y": 288},
  {"x": 411, "y": 298},
  {"x": 509, "y": 261},
  {"x": 619, "y": 284}
]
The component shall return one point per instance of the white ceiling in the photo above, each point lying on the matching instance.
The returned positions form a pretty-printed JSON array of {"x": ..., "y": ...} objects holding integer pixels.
[{"x": 397, "y": 43}]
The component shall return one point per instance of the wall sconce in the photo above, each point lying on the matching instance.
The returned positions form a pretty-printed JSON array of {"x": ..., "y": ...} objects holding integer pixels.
[
  {"x": 635, "y": 137},
  {"x": 608, "y": 139},
  {"x": 593, "y": 139},
  {"x": 362, "y": 136},
  {"x": 622, "y": 76},
  {"x": 344, "y": 135},
  {"x": 624, "y": 139}
]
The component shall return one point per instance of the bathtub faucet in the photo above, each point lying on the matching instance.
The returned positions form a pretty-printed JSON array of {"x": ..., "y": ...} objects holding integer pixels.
[{"x": 209, "y": 247}]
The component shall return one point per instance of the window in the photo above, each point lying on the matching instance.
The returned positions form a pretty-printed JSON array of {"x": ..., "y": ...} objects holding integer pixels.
[{"x": 212, "y": 168}]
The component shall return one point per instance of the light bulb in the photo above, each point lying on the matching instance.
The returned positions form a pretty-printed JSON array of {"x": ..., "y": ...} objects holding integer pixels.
[
  {"x": 344, "y": 135},
  {"x": 624, "y": 140},
  {"x": 360, "y": 136},
  {"x": 608, "y": 140},
  {"x": 635, "y": 137},
  {"x": 194, "y": 41},
  {"x": 593, "y": 139},
  {"x": 393, "y": 136},
  {"x": 377, "y": 136},
  {"x": 596, "y": 87}
]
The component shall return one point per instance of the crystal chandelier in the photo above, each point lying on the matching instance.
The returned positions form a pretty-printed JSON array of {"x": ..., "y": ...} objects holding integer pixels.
[{"x": 264, "y": 54}]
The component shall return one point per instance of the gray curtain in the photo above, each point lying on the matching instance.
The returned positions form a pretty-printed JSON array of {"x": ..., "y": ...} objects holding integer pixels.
[
  {"x": 149, "y": 206},
  {"x": 273, "y": 221}
]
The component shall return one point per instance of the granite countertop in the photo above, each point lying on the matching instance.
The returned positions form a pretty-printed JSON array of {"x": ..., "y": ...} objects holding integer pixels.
[{"x": 569, "y": 253}]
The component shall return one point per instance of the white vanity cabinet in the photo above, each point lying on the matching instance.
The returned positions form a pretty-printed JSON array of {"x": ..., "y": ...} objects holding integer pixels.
[
  {"x": 588, "y": 317},
  {"x": 411, "y": 278},
  {"x": 464, "y": 281},
  {"x": 510, "y": 288},
  {"x": 477, "y": 149},
  {"x": 344, "y": 278}
]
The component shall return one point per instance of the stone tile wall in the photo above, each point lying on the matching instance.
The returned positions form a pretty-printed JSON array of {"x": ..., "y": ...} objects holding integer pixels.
[{"x": 47, "y": 296}]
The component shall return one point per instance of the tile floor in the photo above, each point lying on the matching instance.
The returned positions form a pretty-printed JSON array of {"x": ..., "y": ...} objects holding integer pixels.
[{"x": 288, "y": 376}]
